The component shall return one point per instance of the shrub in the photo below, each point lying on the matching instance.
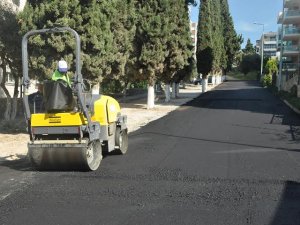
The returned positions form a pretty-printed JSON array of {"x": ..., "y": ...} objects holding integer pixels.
[
  {"x": 267, "y": 80},
  {"x": 111, "y": 86}
]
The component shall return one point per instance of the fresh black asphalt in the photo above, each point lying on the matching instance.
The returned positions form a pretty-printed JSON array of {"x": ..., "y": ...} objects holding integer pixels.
[{"x": 230, "y": 156}]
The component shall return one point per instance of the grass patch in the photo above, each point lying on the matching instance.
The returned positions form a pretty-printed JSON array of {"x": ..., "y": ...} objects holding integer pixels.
[{"x": 240, "y": 76}]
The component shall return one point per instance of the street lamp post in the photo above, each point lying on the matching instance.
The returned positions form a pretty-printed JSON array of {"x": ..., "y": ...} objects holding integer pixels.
[{"x": 262, "y": 48}]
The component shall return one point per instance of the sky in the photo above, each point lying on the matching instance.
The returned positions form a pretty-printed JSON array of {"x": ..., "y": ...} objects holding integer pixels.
[{"x": 246, "y": 12}]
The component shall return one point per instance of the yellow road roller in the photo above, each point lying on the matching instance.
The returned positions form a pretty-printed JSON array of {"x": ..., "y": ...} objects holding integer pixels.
[{"x": 69, "y": 127}]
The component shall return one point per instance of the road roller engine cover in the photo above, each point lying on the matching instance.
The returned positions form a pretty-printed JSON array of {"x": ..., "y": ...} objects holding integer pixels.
[{"x": 73, "y": 127}]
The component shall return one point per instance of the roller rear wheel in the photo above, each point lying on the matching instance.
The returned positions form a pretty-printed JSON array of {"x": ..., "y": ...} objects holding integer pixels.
[
  {"x": 93, "y": 155},
  {"x": 121, "y": 140}
]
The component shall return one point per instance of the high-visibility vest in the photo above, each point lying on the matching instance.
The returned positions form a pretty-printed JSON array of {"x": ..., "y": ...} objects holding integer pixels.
[{"x": 59, "y": 76}]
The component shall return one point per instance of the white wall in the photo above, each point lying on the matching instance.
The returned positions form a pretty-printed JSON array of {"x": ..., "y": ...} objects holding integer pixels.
[{"x": 287, "y": 85}]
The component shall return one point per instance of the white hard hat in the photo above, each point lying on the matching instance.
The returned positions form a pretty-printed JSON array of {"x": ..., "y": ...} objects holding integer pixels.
[{"x": 62, "y": 66}]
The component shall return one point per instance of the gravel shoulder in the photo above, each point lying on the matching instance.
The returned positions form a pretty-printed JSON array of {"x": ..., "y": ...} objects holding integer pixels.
[{"x": 14, "y": 146}]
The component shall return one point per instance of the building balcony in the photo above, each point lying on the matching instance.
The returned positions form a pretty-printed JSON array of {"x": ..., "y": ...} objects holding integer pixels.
[
  {"x": 291, "y": 33},
  {"x": 291, "y": 16},
  {"x": 287, "y": 60},
  {"x": 290, "y": 67},
  {"x": 291, "y": 50},
  {"x": 269, "y": 42},
  {"x": 291, "y": 3},
  {"x": 270, "y": 49}
]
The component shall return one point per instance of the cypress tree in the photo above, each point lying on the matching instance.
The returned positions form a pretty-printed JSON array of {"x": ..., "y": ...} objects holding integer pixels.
[
  {"x": 218, "y": 42},
  {"x": 205, "y": 53},
  {"x": 123, "y": 26},
  {"x": 150, "y": 42},
  {"x": 217, "y": 37},
  {"x": 249, "y": 48},
  {"x": 231, "y": 39},
  {"x": 133, "y": 40},
  {"x": 89, "y": 18},
  {"x": 178, "y": 43}
]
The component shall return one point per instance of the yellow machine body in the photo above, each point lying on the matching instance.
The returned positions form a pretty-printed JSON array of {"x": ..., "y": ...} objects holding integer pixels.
[
  {"x": 57, "y": 119},
  {"x": 106, "y": 111}
]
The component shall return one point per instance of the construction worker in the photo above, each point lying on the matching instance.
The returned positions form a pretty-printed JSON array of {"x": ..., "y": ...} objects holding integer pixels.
[{"x": 61, "y": 72}]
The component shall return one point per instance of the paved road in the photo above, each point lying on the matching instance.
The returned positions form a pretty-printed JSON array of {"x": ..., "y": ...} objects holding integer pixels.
[{"x": 230, "y": 156}]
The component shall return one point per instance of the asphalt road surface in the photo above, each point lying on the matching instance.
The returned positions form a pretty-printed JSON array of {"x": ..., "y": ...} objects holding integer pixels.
[{"x": 231, "y": 156}]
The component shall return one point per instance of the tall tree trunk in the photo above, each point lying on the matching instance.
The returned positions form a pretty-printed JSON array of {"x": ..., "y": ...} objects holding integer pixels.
[
  {"x": 96, "y": 89},
  {"x": 2, "y": 80},
  {"x": 14, "y": 108},
  {"x": 204, "y": 85},
  {"x": 14, "y": 103},
  {"x": 8, "y": 97},
  {"x": 126, "y": 84},
  {"x": 167, "y": 93},
  {"x": 173, "y": 90},
  {"x": 177, "y": 90},
  {"x": 151, "y": 97},
  {"x": 8, "y": 109}
]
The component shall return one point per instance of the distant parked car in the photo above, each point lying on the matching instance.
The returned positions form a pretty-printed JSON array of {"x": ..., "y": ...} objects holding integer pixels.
[{"x": 198, "y": 81}]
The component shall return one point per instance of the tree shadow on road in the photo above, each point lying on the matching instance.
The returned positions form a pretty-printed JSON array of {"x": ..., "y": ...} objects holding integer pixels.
[
  {"x": 288, "y": 210},
  {"x": 252, "y": 99},
  {"x": 215, "y": 141},
  {"x": 16, "y": 162}
]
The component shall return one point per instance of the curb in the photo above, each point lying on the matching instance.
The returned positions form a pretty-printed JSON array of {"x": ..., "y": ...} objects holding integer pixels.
[
  {"x": 198, "y": 95},
  {"x": 201, "y": 93},
  {"x": 128, "y": 99},
  {"x": 291, "y": 107}
]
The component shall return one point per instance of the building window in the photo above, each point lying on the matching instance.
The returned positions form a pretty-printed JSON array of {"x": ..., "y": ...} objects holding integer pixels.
[{"x": 270, "y": 46}]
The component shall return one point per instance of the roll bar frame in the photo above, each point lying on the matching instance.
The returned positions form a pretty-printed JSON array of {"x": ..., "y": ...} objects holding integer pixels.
[{"x": 93, "y": 127}]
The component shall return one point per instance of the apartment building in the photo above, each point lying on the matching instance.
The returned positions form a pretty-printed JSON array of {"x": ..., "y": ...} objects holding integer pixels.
[
  {"x": 257, "y": 47},
  {"x": 270, "y": 44},
  {"x": 289, "y": 45}
]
